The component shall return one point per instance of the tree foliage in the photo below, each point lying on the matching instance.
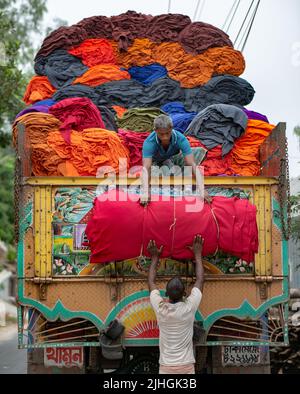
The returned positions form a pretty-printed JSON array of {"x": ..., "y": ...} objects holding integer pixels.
[
  {"x": 7, "y": 163},
  {"x": 19, "y": 20}
]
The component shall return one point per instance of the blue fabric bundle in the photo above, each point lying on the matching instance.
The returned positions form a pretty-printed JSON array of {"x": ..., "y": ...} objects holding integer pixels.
[
  {"x": 180, "y": 117},
  {"x": 147, "y": 74}
]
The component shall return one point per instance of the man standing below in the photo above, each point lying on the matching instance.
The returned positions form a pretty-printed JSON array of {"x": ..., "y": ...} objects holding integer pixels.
[
  {"x": 175, "y": 318},
  {"x": 166, "y": 146}
]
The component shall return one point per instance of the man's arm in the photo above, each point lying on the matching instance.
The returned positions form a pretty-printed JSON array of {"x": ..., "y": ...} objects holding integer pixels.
[
  {"x": 154, "y": 253},
  {"x": 197, "y": 249},
  {"x": 146, "y": 178},
  {"x": 190, "y": 161}
]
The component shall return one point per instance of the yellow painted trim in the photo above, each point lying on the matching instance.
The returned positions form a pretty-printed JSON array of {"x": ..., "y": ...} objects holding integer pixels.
[
  {"x": 258, "y": 256},
  {"x": 42, "y": 225},
  {"x": 262, "y": 231},
  {"x": 268, "y": 211},
  {"x": 83, "y": 181}
]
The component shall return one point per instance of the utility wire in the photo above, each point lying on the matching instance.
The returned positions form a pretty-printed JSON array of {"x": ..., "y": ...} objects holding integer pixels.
[
  {"x": 244, "y": 21},
  {"x": 251, "y": 25},
  {"x": 229, "y": 14},
  {"x": 196, "y": 9},
  {"x": 169, "y": 6},
  {"x": 236, "y": 8},
  {"x": 201, "y": 10},
  {"x": 245, "y": 32}
]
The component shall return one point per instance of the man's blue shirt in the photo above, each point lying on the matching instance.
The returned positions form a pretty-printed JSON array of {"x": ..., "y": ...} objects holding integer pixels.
[{"x": 152, "y": 147}]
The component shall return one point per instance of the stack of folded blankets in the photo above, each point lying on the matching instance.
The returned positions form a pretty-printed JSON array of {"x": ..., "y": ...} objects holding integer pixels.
[{"x": 99, "y": 85}]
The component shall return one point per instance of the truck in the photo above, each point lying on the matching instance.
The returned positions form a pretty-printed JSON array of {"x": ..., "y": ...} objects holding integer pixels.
[{"x": 65, "y": 304}]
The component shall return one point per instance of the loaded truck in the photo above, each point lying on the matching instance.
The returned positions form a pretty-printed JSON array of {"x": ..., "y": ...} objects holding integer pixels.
[
  {"x": 70, "y": 307},
  {"x": 65, "y": 303}
]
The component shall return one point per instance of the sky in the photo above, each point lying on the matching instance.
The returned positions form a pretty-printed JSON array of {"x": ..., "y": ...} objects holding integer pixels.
[{"x": 272, "y": 52}]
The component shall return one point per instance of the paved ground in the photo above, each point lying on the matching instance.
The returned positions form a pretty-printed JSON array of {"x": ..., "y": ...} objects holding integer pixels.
[{"x": 12, "y": 360}]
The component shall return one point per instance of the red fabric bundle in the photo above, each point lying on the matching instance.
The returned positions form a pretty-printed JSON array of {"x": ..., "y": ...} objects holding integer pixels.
[
  {"x": 120, "y": 228},
  {"x": 214, "y": 164},
  {"x": 77, "y": 113},
  {"x": 95, "y": 51},
  {"x": 134, "y": 143}
]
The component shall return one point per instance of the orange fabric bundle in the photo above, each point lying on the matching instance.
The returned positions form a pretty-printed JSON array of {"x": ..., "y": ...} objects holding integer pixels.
[
  {"x": 95, "y": 51},
  {"x": 38, "y": 88},
  {"x": 138, "y": 54},
  {"x": 90, "y": 149},
  {"x": 226, "y": 60},
  {"x": 120, "y": 111},
  {"x": 193, "y": 71},
  {"x": 169, "y": 54},
  {"x": 44, "y": 160},
  {"x": 190, "y": 70},
  {"x": 102, "y": 73},
  {"x": 244, "y": 156}
]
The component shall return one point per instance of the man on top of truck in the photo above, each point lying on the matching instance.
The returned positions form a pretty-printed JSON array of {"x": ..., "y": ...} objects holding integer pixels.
[
  {"x": 167, "y": 147},
  {"x": 175, "y": 318}
]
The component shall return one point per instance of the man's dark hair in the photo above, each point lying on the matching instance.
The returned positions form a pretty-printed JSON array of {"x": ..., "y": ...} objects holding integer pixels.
[{"x": 175, "y": 289}]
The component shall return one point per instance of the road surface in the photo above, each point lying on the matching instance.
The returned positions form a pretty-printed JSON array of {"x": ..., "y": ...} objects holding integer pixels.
[{"x": 12, "y": 360}]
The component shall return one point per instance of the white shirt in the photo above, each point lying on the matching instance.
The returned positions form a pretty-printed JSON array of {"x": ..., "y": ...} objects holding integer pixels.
[{"x": 175, "y": 323}]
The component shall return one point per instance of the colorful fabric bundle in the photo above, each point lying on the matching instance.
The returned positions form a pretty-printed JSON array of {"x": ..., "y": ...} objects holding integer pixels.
[
  {"x": 134, "y": 143},
  {"x": 76, "y": 114},
  {"x": 244, "y": 157},
  {"x": 139, "y": 119},
  {"x": 147, "y": 74},
  {"x": 37, "y": 124},
  {"x": 60, "y": 67},
  {"x": 118, "y": 71},
  {"x": 44, "y": 160},
  {"x": 38, "y": 88},
  {"x": 108, "y": 118},
  {"x": 129, "y": 93},
  {"x": 62, "y": 38},
  {"x": 166, "y": 27},
  {"x": 77, "y": 90},
  {"x": 197, "y": 37},
  {"x": 255, "y": 115},
  {"x": 95, "y": 27},
  {"x": 222, "y": 89},
  {"x": 190, "y": 70},
  {"x": 229, "y": 224},
  {"x": 39, "y": 106},
  {"x": 215, "y": 164},
  {"x": 102, "y": 73},
  {"x": 128, "y": 26},
  {"x": 120, "y": 111},
  {"x": 89, "y": 150},
  {"x": 180, "y": 117},
  {"x": 218, "y": 124},
  {"x": 95, "y": 51}
]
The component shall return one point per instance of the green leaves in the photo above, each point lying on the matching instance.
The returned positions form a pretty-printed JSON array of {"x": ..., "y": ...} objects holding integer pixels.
[{"x": 19, "y": 20}]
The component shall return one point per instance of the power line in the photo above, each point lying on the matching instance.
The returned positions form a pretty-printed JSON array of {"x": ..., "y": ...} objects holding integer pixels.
[
  {"x": 241, "y": 28},
  {"x": 229, "y": 13},
  {"x": 245, "y": 32},
  {"x": 236, "y": 8},
  {"x": 169, "y": 6},
  {"x": 196, "y": 9},
  {"x": 201, "y": 10},
  {"x": 251, "y": 25}
]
